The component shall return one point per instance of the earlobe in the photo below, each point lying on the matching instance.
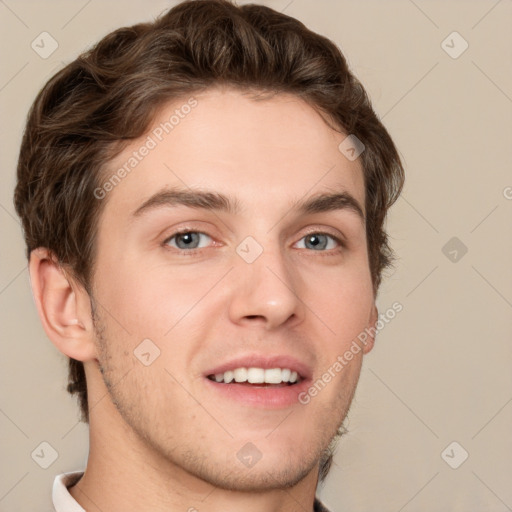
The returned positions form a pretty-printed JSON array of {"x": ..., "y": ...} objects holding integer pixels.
[
  {"x": 371, "y": 330},
  {"x": 63, "y": 306}
]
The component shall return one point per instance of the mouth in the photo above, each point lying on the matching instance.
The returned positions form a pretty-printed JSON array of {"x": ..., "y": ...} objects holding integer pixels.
[
  {"x": 271, "y": 386},
  {"x": 258, "y": 377}
]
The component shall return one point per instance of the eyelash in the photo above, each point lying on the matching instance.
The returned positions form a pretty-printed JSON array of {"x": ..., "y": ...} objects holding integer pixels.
[{"x": 192, "y": 252}]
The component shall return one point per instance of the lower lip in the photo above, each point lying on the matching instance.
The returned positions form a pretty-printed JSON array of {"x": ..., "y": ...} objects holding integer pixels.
[{"x": 264, "y": 397}]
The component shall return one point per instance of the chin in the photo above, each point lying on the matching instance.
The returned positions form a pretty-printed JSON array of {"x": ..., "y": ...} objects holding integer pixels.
[
  {"x": 261, "y": 477},
  {"x": 247, "y": 469}
]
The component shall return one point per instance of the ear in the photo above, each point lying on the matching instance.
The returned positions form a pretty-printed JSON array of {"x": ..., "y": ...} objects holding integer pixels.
[
  {"x": 371, "y": 330},
  {"x": 63, "y": 305}
]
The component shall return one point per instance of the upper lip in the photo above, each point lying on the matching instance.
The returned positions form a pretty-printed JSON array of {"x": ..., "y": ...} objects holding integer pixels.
[{"x": 265, "y": 362}]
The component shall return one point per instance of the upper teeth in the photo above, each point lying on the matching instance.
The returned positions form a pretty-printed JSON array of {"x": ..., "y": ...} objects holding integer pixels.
[{"x": 258, "y": 375}]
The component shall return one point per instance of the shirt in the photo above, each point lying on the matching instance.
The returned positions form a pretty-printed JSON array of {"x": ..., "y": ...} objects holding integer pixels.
[{"x": 64, "y": 502}]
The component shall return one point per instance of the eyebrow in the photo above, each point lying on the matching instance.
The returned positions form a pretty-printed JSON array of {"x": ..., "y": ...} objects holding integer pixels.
[{"x": 215, "y": 201}]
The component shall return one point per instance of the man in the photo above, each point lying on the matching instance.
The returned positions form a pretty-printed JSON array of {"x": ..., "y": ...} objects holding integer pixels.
[{"x": 203, "y": 200}]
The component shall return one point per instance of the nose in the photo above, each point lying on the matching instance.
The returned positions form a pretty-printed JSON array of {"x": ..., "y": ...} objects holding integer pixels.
[{"x": 266, "y": 292}]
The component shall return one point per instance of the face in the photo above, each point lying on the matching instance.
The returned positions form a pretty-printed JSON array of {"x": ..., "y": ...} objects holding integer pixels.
[{"x": 265, "y": 284}]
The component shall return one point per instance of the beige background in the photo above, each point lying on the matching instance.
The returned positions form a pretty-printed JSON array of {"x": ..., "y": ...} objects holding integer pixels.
[{"x": 441, "y": 370}]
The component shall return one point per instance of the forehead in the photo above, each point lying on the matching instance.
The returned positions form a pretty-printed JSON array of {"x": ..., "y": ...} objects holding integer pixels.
[{"x": 263, "y": 151}]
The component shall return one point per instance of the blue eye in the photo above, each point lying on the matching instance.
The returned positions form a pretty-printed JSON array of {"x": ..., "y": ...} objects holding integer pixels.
[
  {"x": 186, "y": 239},
  {"x": 320, "y": 241}
]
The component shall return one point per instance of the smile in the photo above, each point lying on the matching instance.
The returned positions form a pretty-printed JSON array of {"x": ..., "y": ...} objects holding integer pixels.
[{"x": 257, "y": 376}]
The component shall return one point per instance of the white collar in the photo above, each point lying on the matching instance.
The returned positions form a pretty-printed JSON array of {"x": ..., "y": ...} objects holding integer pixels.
[{"x": 62, "y": 499}]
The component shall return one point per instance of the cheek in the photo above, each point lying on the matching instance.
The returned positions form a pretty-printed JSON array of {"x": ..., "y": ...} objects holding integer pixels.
[
  {"x": 343, "y": 299},
  {"x": 150, "y": 301}
]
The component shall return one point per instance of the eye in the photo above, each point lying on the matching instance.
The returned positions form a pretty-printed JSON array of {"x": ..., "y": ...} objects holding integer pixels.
[
  {"x": 320, "y": 241},
  {"x": 186, "y": 240}
]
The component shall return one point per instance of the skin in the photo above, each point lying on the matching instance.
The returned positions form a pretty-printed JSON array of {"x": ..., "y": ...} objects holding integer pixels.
[{"x": 160, "y": 439}]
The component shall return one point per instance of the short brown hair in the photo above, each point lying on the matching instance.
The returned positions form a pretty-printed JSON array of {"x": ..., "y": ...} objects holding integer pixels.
[{"x": 110, "y": 94}]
